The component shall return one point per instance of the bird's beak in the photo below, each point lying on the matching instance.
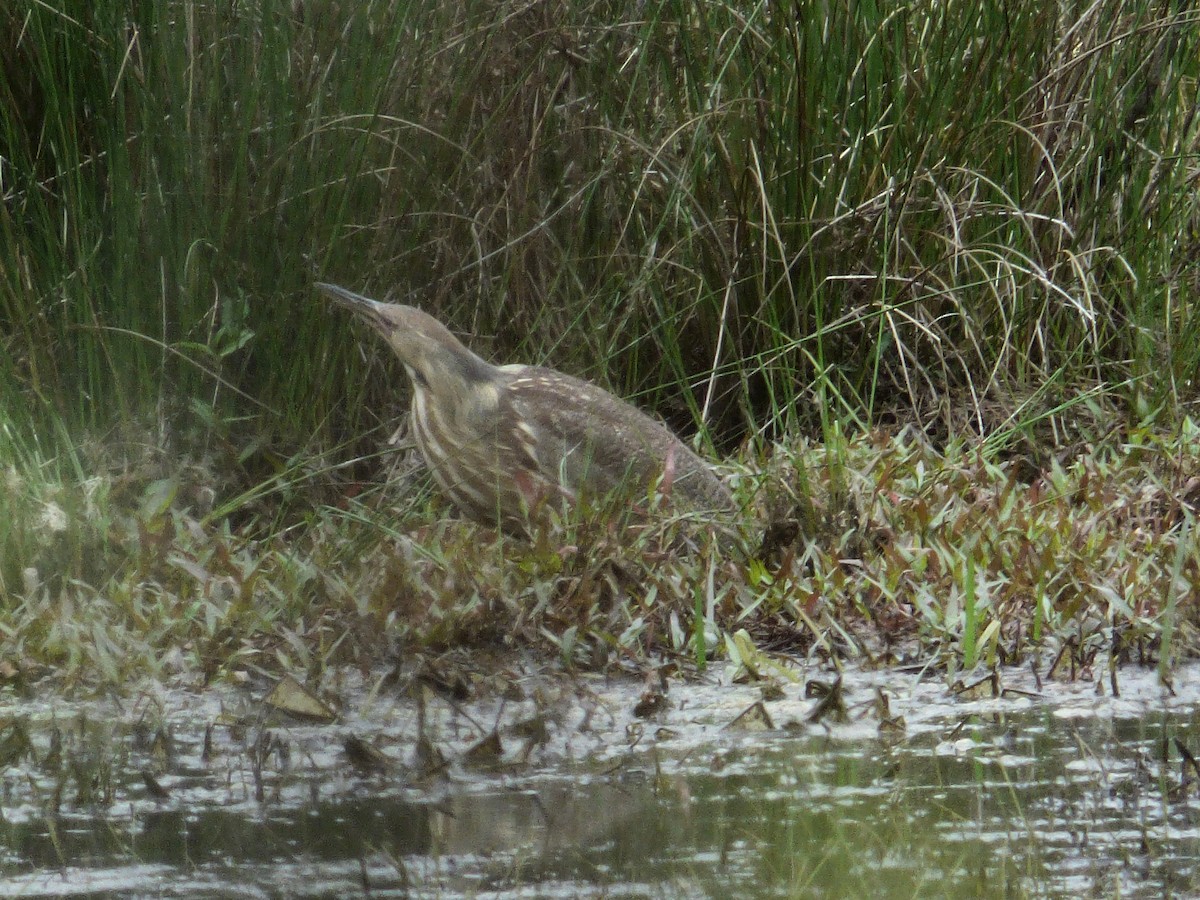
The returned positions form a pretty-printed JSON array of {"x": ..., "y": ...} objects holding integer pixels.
[
  {"x": 365, "y": 307},
  {"x": 348, "y": 299}
]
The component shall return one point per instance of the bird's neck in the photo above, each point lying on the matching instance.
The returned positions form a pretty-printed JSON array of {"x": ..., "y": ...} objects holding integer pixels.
[{"x": 462, "y": 402}]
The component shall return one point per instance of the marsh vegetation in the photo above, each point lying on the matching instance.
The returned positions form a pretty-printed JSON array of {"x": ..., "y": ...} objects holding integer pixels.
[{"x": 922, "y": 278}]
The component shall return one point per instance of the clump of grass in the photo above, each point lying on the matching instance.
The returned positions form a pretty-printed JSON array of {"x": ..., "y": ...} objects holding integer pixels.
[
  {"x": 755, "y": 219},
  {"x": 942, "y": 556}
]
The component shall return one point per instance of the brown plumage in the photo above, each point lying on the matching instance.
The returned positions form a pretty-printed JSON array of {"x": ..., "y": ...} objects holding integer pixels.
[{"x": 502, "y": 441}]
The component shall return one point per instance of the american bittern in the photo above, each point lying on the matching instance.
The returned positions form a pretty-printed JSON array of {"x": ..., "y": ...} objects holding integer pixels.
[{"x": 502, "y": 441}]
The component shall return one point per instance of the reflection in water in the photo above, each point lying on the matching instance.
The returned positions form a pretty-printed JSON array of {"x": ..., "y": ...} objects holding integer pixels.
[{"x": 1067, "y": 795}]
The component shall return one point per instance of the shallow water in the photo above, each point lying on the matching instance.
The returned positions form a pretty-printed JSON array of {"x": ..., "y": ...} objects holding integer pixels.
[{"x": 1061, "y": 791}]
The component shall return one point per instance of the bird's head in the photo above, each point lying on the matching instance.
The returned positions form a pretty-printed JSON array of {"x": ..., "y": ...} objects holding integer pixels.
[{"x": 436, "y": 361}]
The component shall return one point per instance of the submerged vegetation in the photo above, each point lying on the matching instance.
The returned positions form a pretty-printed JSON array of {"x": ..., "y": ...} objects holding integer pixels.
[{"x": 922, "y": 275}]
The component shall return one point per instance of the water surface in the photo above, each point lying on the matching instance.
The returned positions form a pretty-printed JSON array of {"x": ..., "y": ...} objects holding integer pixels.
[{"x": 1062, "y": 791}]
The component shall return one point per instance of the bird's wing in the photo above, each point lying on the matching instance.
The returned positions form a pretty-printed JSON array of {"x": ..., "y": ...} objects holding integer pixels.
[{"x": 588, "y": 439}]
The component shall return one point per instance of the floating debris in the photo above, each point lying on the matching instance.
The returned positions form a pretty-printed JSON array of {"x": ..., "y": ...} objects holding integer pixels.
[{"x": 291, "y": 697}]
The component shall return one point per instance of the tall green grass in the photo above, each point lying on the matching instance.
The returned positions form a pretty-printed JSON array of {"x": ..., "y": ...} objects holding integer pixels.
[{"x": 716, "y": 206}]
